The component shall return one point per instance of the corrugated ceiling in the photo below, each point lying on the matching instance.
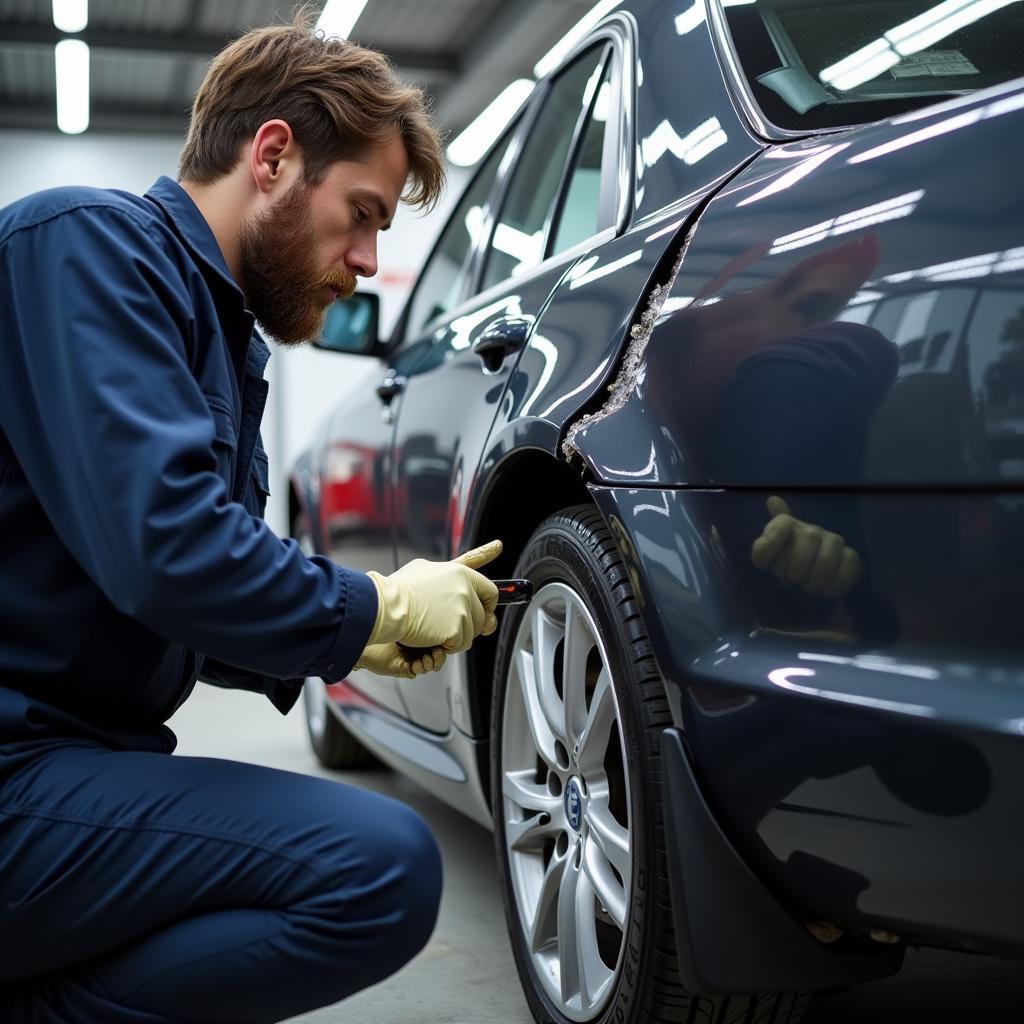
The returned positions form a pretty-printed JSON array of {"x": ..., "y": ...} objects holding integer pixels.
[{"x": 148, "y": 56}]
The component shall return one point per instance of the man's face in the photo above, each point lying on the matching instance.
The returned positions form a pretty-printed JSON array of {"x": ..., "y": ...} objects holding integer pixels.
[{"x": 304, "y": 252}]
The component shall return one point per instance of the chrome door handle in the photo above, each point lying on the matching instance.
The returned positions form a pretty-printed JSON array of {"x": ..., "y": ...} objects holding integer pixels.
[
  {"x": 501, "y": 338},
  {"x": 392, "y": 384}
]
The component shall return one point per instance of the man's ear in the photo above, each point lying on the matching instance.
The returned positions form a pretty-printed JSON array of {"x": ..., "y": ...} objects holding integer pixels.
[{"x": 274, "y": 156}]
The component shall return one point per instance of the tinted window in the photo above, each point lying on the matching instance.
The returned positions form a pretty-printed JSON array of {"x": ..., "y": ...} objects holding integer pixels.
[
  {"x": 442, "y": 281},
  {"x": 824, "y": 63},
  {"x": 519, "y": 236}
]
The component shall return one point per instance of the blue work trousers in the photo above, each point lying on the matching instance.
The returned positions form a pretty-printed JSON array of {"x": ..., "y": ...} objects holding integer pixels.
[{"x": 150, "y": 888}]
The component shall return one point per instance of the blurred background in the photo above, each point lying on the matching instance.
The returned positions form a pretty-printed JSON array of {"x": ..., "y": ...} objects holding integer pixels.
[{"x": 97, "y": 92}]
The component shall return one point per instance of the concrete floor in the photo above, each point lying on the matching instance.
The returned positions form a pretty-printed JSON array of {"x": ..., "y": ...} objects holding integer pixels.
[{"x": 466, "y": 974}]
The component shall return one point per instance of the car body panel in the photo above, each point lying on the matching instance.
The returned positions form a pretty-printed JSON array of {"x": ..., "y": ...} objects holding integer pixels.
[
  {"x": 435, "y": 458},
  {"x": 862, "y": 755},
  {"x": 354, "y": 512},
  {"x": 688, "y": 131},
  {"x": 878, "y": 228},
  {"x": 865, "y": 781},
  {"x": 449, "y": 765}
]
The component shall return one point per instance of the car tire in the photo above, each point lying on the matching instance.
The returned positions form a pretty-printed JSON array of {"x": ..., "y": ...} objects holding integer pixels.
[
  {"x": 576, "y": 794},
  {"x": 334, "y": 746}
]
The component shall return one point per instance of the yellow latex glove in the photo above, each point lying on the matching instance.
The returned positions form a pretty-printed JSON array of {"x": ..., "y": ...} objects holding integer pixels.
[
  {"x": 393, "y": 660},
  {"x": 807, "y": 555},
  {"x": 437, "y": 604}
]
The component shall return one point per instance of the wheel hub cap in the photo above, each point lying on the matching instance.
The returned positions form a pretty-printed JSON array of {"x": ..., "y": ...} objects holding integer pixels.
[{"x": 574, "y": 805}]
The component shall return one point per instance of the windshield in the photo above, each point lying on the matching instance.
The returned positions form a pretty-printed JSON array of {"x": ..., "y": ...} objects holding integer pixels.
[{"x": 826, "y": 63}]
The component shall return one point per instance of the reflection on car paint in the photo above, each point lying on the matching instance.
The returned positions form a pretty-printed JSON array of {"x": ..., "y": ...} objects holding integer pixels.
[{"x": 691, "y": 148}]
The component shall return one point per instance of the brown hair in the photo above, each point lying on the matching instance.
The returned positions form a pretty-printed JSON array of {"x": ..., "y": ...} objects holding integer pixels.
[{"x": 336, "y": 96}]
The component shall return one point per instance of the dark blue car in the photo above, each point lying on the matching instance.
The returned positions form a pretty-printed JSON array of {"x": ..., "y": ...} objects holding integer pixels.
[{"x": 725, "y": 340}]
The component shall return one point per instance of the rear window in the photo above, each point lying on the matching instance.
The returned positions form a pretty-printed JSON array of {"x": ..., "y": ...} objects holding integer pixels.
[{"x": 826, "y": 63}]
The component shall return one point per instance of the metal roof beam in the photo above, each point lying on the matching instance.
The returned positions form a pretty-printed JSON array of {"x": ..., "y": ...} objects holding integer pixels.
[
  {"x": 432, "y": 67},
  {"x": 103, "y": 117}
]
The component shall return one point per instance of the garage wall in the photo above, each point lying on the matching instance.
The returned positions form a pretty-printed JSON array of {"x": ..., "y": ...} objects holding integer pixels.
[{"x": 305, "y": 384}]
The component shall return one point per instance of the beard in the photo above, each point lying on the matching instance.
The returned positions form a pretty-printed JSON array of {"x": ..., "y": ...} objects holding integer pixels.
[{"x": 279, "y": 277}]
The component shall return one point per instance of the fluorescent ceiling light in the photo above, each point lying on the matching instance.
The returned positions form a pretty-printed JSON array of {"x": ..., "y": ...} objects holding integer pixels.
[
  {"x": 855, "y": 220},
  {"x": 694, "y": 14},
  {"x": 951, "y": 124},
  {"x": 553, "y": 57},
  {"x": 474, "y": 224},
  {"x": 1005, "y": 262},
  {"x": 861, "y": 66},
  {"x": 518, "y": 244},
  {"x": 339, "y": 17},
  {"x": 595, "y": 273},
  {"x": 481, "y": 132},
  {"x": 603, "y": 103},
  {"x": 703, "y": 140},
  {"x": 919, "y": 33},
  {"x": 72, "y": 56},
  {"x": 690, "y": 18},
  {"x": 70, "y": 15},
  {"x": 865, "y": 296},
  {"x": 690, "y": 148},
  {"x": 795, "y": 174}
]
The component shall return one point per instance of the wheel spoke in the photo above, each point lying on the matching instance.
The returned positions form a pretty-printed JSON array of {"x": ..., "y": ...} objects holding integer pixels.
[
  {"x": 582, "y": 972},
  {"x": 530, "y": 834},
  {"x": 520, "y": 788},
  {"x": 543, "y": 927},
  {"x": 546, "y": 635},
  {"x": 612, "y": 838},
  {"x": 593, "y": 972},
  {"x": 578, "y": 644},
  {"x": 540, "y": 729},
  {"x": 596, "y": 731},
  {"x": 607, "y": 887},
  {"x": 544, "y": 812},
  {"x": 568, "y": 933}
]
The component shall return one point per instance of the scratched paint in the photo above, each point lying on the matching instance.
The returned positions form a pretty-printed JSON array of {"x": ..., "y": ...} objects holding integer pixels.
[{"x": 633, "y": 363}]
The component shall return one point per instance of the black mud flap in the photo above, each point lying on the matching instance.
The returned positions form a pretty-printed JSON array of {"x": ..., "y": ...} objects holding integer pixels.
[{"x": 733, "y": 936}]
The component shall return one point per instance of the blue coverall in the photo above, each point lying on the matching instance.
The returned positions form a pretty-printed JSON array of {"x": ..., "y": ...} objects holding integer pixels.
[{"x": 137, "y": 886}]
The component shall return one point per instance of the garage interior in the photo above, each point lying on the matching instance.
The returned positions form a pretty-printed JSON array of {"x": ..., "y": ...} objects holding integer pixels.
[{"x": 477, "y": 61}]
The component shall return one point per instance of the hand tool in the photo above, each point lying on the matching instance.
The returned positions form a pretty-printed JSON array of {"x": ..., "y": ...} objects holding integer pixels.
[{"x": 514, "y": 591}]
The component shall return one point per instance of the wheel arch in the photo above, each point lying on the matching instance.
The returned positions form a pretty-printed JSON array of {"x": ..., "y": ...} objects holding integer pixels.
[{"x": 521, "y": 491}]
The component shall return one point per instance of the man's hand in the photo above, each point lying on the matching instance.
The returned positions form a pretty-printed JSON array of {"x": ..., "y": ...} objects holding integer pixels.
[
  {"x": 805, "y": 554},
  {"x": 437, "y": 604},
  {"x": 394, "y": 660}
]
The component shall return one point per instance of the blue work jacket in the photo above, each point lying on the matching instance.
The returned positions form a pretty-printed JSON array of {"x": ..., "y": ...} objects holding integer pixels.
[{"x": 133, "y": 553}]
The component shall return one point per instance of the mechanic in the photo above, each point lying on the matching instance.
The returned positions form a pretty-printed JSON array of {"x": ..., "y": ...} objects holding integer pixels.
[{"x": 136, "y": 886}]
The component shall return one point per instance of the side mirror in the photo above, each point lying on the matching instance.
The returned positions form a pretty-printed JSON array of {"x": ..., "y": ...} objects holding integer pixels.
[{"x": 351, "y": 326}]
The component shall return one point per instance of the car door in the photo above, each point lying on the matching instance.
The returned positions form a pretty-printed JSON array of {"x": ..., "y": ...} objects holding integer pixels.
[{"x": 555, "y": 199}]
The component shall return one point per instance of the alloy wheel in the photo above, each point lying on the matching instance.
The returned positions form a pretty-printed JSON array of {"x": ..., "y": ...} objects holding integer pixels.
[{"x": 566, "y": 802}]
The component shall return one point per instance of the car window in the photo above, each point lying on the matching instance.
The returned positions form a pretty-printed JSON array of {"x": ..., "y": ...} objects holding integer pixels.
[
  {"x": 815, "y": 64},
  {"x": 441, "y": 283},
  {"x": 579, "y": 216},
  {"x": 519, "y": 236}
]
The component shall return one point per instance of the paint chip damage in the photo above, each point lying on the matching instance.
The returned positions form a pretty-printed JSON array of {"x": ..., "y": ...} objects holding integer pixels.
[{"x": 632, "y": 365}]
